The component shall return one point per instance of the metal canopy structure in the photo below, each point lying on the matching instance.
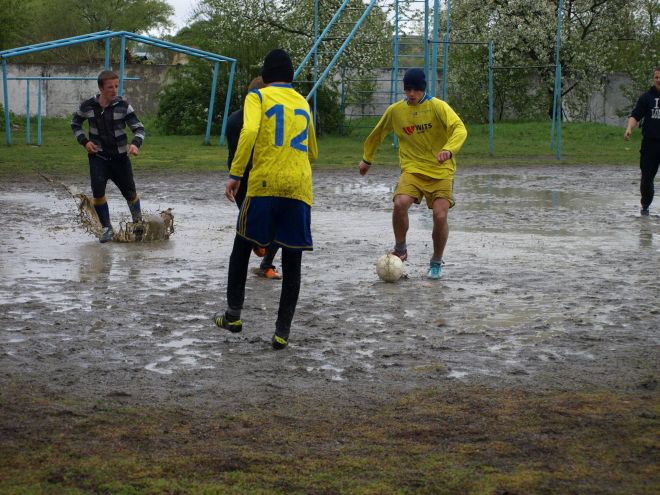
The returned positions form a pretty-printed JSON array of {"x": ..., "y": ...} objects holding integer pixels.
[
  {"x": 125, "y": 36},
  {"x": 431, "y": 58}
]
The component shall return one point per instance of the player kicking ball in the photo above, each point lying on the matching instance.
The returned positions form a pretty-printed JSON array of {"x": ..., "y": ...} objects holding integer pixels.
[{"x": 430, "y": 135}]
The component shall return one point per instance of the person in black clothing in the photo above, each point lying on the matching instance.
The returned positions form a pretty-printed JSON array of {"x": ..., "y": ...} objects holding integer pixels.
[
  {"x": 234, "y": 126},
  {"x": 108, "y": 148},
  {"x": 647, "y": 110}
]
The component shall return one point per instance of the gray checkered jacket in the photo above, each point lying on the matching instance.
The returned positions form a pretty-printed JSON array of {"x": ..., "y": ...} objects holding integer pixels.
[{"x": 107, "y": 125}]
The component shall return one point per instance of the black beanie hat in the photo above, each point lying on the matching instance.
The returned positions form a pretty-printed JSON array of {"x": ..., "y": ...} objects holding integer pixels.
[
  {"x": 414, "y": 79},
  {"x": 277, "y": 67}
]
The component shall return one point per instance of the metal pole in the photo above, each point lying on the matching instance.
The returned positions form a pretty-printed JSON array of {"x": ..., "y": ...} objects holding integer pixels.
[
  {"x": 556, "y": 112},
  {"x": 318, "y": 41},
  {"x": 106, "y": 61},
  {"x": 342, "y": 99},
  {"x": 341, "y": 49},
  {"x": 426, "y": 37},
  {"x": 434, "y": 58},
  {"x": 394, "y": 81},
  {"x": 6, "y": 100},
  {"x": 227, "y": 100},
  {"x": 395, "y": 47},
  {"x": 39, "y": 47},
  {"x": 445, "y": 60},
  {"x": 559, "y": 117},
  {"x": 490, "y": 98},
  {"x": 27, "y": 111},
  {"x": 121, "y": 65},
  {"x": 316, "y": 56},
  {"x": 39, "y": 95},
  {"x": 209, "y": 115}
]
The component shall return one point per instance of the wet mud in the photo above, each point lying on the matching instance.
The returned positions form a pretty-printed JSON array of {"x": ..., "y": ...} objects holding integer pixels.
[{"x": 550, "y": 283}]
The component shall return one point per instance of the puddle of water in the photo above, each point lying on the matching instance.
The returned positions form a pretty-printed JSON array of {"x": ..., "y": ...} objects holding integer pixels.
[
  {"x": 179, "y": 344},
  {"x": 532, "y": 262}
]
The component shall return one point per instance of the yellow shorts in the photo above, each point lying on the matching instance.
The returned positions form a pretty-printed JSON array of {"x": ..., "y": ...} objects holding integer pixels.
[{"x": 418, "y": 186}]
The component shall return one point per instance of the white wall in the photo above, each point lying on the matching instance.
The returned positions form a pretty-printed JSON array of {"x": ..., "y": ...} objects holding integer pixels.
[{"x": 62, "y": 98}]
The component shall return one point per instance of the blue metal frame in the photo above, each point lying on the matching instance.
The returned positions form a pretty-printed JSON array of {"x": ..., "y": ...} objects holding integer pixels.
[
  {"x": 6, "y": 101},
  {"x": 395, "y": 48},
  {"x": 319, "y": 39},
  {"x": 40, "y": 80},
  {"x": 445, "y": 55},
  {"x": 124, "y": 36},
  {"x": 556, "y": 101},
  {"x": 490, "y": 99},
  {"x": 349, "y": 38},
  {"x": 434, "y": 48}
]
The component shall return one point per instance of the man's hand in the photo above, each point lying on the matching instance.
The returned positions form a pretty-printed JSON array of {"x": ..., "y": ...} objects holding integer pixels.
[
  {"x": 231, "y": 189},
  {"x": 443, "y": 156},
  {"x": 363, "y": 167},
  {"x": 133, "y": 150},
  {"x": 630, "y": 125},
  {"x": 91, "y": 147}
]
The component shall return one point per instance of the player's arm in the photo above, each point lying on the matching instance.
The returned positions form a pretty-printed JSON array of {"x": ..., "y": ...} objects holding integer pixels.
[
  {"x": 137, "y": 127},
  {"x": 456, "y": 131},
  {"x": 312, "y": 146},
  {"x": 635, "y": 116},
  {"x": 632, "y": 123},
  {"x": 373, "y": 141},
  {"x": 248, "y": 136},
  {"x": 77, "y": 122}
]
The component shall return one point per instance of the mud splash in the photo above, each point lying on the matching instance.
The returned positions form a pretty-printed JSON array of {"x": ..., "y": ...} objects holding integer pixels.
[{"x": 153, "y": 227}]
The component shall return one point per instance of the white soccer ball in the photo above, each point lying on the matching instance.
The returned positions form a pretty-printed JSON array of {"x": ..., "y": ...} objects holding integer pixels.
[{"x": 389, "y": 268}]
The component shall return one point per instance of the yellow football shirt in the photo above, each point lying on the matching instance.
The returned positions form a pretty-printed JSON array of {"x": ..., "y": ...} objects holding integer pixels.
[
  {"x": 423, "y": 130},
  {"x": 277, "y": 122}
]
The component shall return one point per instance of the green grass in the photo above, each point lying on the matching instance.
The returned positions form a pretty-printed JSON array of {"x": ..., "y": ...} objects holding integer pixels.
[
  {"x": 457, "y": 440},
  {"x": 525, "y": 143}
]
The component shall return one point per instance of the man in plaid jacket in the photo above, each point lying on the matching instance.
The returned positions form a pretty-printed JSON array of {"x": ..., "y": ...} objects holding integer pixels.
[{"x": 108, "y": 148}]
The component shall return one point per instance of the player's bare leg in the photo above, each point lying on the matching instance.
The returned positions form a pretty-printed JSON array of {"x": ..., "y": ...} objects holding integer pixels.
[
  {"x": 440, "y": 227},
  {"x": 440, "y": 234},
  {"x": 400, "y": 223}
]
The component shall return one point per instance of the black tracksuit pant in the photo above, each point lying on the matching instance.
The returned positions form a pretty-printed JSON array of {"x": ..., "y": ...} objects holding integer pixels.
[
  {"x": 238, "y": 268},
  {"x": 648, "y": 163}
]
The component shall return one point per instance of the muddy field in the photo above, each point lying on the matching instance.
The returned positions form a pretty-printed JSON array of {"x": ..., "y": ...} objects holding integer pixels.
[{"x": 551, "y": 284}]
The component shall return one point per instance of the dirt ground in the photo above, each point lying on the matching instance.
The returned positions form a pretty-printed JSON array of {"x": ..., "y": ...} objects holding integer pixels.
[{"x": 550, "y": 285}]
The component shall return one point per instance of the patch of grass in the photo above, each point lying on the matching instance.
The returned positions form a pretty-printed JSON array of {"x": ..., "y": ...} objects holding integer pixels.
[
  {"x": 514, "y": 143},
  {"x": 458, "y": 440}
]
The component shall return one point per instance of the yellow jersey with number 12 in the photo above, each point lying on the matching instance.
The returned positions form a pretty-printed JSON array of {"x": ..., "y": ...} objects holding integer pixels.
[{"x": 277, "y": 122}]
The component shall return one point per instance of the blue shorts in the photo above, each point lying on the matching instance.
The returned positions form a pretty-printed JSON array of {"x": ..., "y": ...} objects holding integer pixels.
[{"x": 284, "y": 221}]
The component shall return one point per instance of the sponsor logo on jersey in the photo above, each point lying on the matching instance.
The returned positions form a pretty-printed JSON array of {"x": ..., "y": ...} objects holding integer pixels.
[{"x": 420, "y": 128}]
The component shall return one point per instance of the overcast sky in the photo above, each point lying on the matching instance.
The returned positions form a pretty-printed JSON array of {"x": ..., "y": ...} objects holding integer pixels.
[{"x": 182, "y": 10}]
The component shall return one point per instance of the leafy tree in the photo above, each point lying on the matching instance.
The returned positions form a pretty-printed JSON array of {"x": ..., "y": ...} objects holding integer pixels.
[
  {"x": 46, "y": 20},
  {"x": 524, "y": 35},
  {"x": 637, "y": 49},
  {"x": 246, "y": 30},
  {"x": 14, "y": 15}
]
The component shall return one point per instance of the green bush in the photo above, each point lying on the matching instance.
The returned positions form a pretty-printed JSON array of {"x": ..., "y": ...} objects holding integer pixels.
[
  {"x": 183, "y": 105},
  {"x": 329, "y": 116}
]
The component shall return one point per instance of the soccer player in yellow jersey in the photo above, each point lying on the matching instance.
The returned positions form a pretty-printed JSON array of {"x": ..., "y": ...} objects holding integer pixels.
[
  {"x": 430, "y": 135},
  {"x": 278, "y": 125}
]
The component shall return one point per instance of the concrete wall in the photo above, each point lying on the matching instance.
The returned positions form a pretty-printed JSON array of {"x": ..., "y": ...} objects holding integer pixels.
[
  {"x": 607, "y": 105},
  {"x": 61, "y": 98}
]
